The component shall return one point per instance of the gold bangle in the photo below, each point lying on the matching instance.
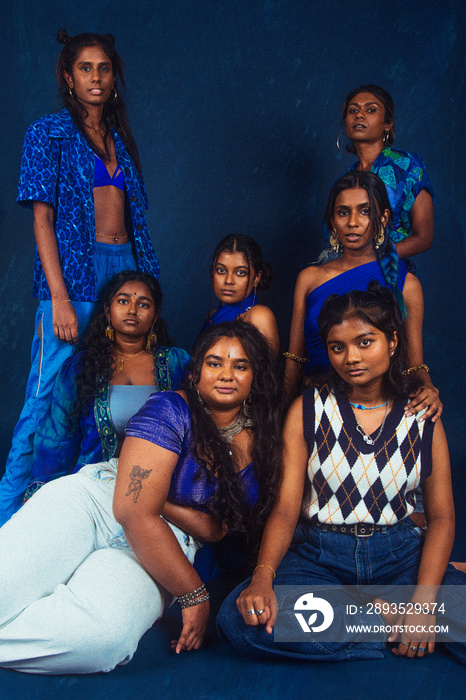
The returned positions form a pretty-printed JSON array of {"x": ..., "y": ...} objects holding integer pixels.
[
  {"x": 260, "y": 566},
  {"x": 61, "y": 302},
  {"x": 295, "y": 358},
  {"x": 415, "y": 369}
]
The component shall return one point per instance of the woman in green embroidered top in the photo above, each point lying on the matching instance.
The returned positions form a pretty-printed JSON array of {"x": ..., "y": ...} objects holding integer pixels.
[{"x": 124, "y": 357}]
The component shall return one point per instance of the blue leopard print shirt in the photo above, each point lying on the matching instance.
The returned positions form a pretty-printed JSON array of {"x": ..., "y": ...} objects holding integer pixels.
[{"x": 57, "y": 167}]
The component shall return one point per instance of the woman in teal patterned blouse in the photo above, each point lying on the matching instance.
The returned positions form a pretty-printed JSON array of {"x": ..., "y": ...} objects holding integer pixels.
[
  {"x": 367, "y": 118},
  {"x": 124, "y": 357}
]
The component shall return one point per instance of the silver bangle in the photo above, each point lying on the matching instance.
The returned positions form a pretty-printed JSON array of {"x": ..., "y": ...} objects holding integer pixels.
[
  {"x": 195, "y": 601},
  {"x": 199, "y": 595}
]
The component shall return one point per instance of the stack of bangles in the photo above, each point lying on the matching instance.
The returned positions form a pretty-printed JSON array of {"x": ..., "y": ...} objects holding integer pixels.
[
  {"x": 295, "y": 358},
  {"x": 199, "y": 595}
]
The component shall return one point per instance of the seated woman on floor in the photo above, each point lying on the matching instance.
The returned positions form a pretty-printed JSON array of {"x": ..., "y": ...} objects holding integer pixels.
[
  {"x": 92, "y": 559},
  {"x": 237, "y": 272},
  {"x": 358, "y": 218},
  {"x": 343, "y": 443},
  {"x": 124, "y": 357}
]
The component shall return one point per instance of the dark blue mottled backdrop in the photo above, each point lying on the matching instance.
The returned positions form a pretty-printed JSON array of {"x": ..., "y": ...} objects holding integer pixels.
[{"x": 235, "y": 108}]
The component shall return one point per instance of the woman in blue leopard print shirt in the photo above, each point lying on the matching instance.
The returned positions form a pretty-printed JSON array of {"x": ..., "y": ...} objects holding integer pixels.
[{"x": 81, "y": 175}]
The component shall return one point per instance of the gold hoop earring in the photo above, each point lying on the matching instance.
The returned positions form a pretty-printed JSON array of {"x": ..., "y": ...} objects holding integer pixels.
[
  {"x": 115, "y": 95},
  {"x": 335, "y": 243},
  {"x": 380, "y": 239},
  {"x": 151, "y": 341},
  {"x": 110, "y": 332}
]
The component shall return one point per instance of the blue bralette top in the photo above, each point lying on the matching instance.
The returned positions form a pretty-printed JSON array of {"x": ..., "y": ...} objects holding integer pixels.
[{"x": 102, "y": 176}]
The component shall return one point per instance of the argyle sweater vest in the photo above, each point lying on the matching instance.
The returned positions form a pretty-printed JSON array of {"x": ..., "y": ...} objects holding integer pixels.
[{"x": 350, "y": 481}]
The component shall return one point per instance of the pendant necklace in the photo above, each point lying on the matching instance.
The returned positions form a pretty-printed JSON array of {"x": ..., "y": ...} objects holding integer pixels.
[
  {"x": 121, "y": 360},
  {"x": 367, "y": 439}
]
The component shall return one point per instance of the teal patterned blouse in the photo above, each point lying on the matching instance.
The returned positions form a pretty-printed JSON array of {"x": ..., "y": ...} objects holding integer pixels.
[
  {"x": 61, "y": 448},
  {"x": 404, "y": 175}
]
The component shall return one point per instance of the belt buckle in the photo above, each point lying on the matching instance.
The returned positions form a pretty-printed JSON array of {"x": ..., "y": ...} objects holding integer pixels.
[{"x": 363, "y": 529}]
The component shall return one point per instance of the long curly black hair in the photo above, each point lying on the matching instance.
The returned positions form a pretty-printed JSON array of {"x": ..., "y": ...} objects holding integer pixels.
[
  {"x": 378, "y": 307},
  {"x": 266, "y": 412},
  {"x": 114, "y": 111},
  {"x": 97, "y": 364}
]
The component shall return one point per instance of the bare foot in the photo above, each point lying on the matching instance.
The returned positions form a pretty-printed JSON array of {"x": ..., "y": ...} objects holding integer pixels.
[{"x": 419, "y": 519}]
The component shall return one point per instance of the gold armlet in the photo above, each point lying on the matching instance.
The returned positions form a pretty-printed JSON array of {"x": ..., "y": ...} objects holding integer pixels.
[
  {"x": 410, "y": 370},
  {"x": 295, "y": 358}
]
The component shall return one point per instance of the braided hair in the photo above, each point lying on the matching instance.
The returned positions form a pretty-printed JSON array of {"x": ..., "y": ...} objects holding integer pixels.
[
  {"x": 387, "y": 255},
  {"x": 238, "y": 243}
]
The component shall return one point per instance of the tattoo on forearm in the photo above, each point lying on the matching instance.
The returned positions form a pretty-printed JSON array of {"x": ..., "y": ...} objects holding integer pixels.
[{"x": 135, "y": 481}]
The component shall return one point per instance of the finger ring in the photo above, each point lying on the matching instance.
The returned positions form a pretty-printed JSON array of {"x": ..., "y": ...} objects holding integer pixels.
[
  {"x": 422, "y": 649},
  {"x": 405, "y": 644},
  {"x": 413, "y": 648},
  {"x": 259, "y": 612},
  {"x": 250, "y": 612}
]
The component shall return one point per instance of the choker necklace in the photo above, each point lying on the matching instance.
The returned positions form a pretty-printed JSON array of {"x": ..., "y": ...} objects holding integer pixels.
[
  {"x": 229, "y": 431},
  {"x": 368, "y": 408},
  {"x": 121, "y": 360},
  {"x": 365, "y": 436}
]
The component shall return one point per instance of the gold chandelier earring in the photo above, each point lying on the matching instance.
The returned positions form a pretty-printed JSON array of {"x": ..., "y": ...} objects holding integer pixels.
[
  {"x": 380, "y": 238},
  {"x": 110, "y": 332},
  {"x": 151, "y": 341},
  {"x": 335, "y": 243}
]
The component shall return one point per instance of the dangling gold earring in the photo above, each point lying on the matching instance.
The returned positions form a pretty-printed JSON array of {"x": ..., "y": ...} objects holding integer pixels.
[
  {"x": 109, "y": 332},
  {"x": 151, "y": 340},
  {"x": 335, "y": 243},
  {"x": 70, "y": 91},
  {"x": 386, "y": 136},
  {"x": 379, "y": 241},
  {"x": 115, "y": 95}
]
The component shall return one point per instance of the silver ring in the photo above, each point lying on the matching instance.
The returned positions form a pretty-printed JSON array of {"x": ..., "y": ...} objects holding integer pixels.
[
  {"x": 259, "y": 612},
  {"x": 405, "y": 644},
  {"x": 422, "y": 649},
  {"x": 250, "y": 612},
  {"x": 413, "y": 648}
]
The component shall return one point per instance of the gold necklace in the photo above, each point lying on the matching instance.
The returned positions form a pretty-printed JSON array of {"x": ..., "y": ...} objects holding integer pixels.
[
  {"x": 94, "y": 138},
  {"x": 121, "y": 360}
]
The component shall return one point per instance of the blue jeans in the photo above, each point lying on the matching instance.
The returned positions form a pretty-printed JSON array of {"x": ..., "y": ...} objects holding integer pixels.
[
  {"x": 47, "y": 356},
  {"x": 317, "y": 557}
]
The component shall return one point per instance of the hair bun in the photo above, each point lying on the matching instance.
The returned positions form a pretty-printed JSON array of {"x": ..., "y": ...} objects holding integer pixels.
[
  {"x": 266, "y": 279},
  {"x": 62, "y": 36}
]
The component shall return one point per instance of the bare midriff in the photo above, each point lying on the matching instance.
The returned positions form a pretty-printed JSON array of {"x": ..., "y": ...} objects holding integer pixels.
[{"x": 109, "y": 205}]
